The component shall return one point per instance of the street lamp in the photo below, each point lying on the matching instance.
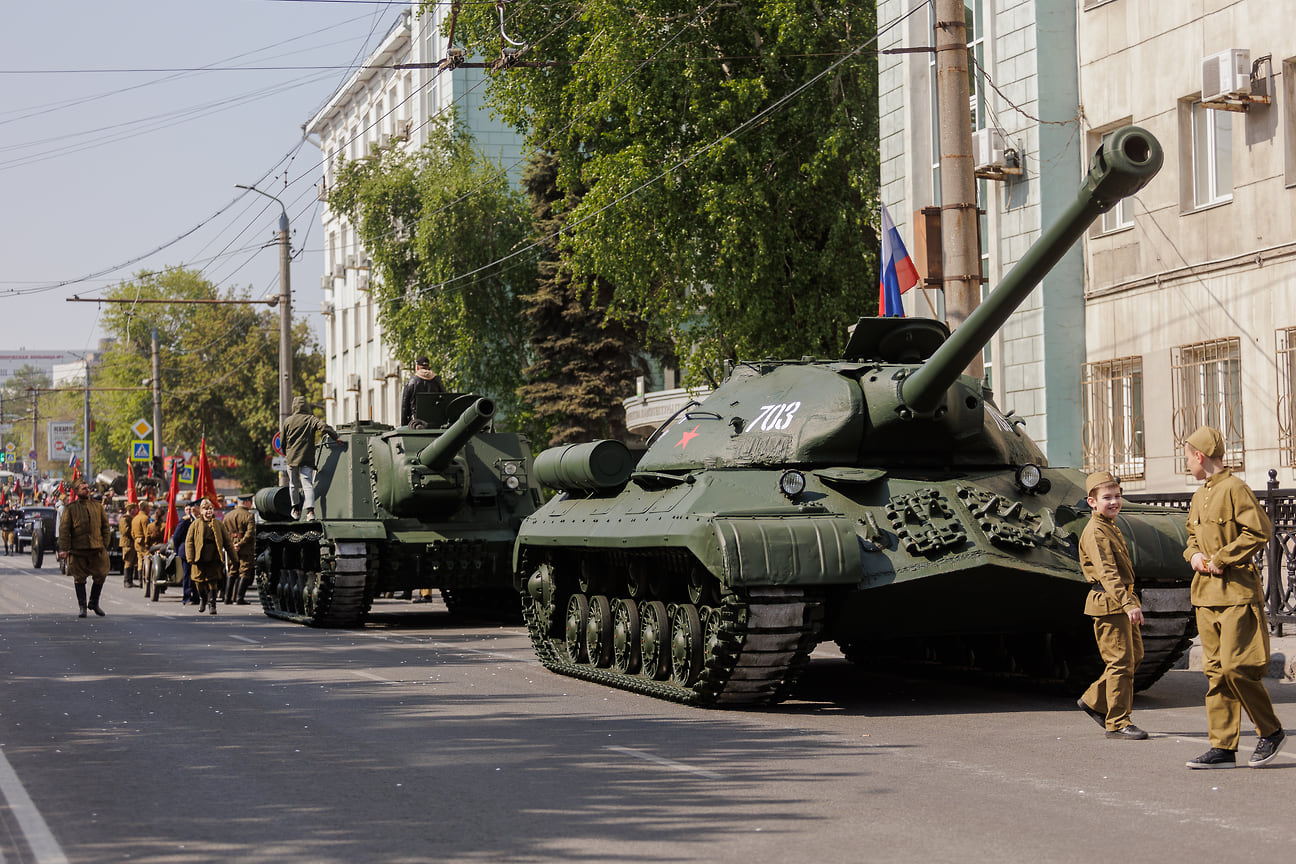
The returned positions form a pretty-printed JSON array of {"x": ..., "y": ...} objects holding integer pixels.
[{"x": 285, "y": 310}]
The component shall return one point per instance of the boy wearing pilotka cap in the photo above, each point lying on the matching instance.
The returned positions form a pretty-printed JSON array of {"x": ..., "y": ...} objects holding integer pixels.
[
  {"x": 1115, "y": 609},
  {"x": 1226, "y": 529}
]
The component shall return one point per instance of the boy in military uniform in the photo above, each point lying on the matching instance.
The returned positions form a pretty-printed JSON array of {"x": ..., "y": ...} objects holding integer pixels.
[
  {"x": 1226, "y": 529},
  {"x": 1115, "y": 609},
  {"x": 130, "y": 561},
  {"x": 83, "y": 543}
]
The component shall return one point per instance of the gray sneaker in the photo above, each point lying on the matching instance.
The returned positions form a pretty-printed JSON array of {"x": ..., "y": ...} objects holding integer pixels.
[{"x": 1267, "y": 749}]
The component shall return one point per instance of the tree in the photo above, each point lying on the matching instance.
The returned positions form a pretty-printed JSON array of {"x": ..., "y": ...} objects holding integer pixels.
[
  {"x": 219, "y": 370},
  {"x": 447, "y": 238},
  {"x": 729, "y": 154},
  {"x": 584, "y": 364},
  {"x": 18, "y": 407}
]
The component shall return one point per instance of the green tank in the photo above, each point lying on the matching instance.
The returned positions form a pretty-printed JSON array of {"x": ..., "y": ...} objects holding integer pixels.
[
  {"x": 881, "y": 500},
  {"x": 432, "y": 505}
]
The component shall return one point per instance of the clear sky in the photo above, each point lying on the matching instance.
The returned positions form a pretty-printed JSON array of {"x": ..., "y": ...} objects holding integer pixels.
[{"x": 124, "y": 128}]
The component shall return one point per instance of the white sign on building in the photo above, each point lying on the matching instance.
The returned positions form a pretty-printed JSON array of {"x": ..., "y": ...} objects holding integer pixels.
[{"x": 62, "y": 440}]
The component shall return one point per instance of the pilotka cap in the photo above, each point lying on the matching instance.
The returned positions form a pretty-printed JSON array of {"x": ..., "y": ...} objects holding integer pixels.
[
  {"x": 1099, "y": 478},
  {"x": 1207, "y": 440}
]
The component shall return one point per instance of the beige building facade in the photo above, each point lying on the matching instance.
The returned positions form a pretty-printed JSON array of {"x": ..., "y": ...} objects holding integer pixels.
[{"x": 1190, "y": 317}]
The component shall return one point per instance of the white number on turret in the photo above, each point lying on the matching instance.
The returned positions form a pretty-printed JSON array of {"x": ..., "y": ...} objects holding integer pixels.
[{"x": 774, "y": 417}]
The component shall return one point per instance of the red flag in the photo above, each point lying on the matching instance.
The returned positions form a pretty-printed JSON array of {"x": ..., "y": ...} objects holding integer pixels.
[
  {"x": 131, "y": 496},
  {"x": 204, "y": 488},
  {"x": 172, "y": 517}
]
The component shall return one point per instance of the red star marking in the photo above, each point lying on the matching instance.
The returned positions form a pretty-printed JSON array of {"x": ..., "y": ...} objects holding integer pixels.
[{"x": 687, "y": 437}]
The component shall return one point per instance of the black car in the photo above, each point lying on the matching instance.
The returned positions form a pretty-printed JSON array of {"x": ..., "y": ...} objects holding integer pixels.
[{"x": 38, "y": 521}]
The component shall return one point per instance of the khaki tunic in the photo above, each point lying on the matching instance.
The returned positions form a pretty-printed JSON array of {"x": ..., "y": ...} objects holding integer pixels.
[
  {"x": 140, "y": 534},
  {"x": 129, "y": 558},
  {"x": 204, "y": 544},
  {"x": 1105, "y": 562},
  {"x": 242, "y": 529},
  {"x": 83, "y": 534},
  {"x": 1227, "y": 525}
]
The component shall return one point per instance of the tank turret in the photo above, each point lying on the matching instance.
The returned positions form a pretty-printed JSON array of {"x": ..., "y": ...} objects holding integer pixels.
[{"x": 881, "y": 500}]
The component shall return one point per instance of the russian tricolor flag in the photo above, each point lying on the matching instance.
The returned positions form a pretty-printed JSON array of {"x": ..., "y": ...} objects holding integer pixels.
[{"x": 898, "y": 271}]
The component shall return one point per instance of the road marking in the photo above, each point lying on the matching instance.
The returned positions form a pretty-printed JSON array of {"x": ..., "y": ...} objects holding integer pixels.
[
  {"x": 244, "y": 639},
  {"x": 369, "y": 675},
  {"x": 30, "y": 822},
  {"x": 667, "y": 763}
]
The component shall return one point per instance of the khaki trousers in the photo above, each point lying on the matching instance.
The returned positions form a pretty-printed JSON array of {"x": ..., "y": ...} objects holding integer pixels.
[
  {"x": 1120, "y": 644},
  {"x": 1235, "y": 656}
]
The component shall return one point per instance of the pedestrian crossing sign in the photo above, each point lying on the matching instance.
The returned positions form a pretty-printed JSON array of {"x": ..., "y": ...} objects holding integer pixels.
[
  {"x": 186, "y": 474},
  {"x": 141, "y": 451}
]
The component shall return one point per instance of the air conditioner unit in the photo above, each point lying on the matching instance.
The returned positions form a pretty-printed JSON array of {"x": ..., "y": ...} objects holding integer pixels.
[
  {"x": 326, "y": 282},
  {"x": 362, "y": 280},
  {"x": 326, "y": 308},
  {"x": 330, "y": 392},
  {"x": 322, "y": 194},
  {"x": 987, "y": 150},
  {"x": 393, "y": 369},
  {"x": 380, "y": 373},
  {"x": 1226, "y": 74},
  {"x": 353, "y": 383},
  {"x": 351, "y": 262}
]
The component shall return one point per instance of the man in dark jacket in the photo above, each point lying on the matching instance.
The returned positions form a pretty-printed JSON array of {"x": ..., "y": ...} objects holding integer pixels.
[
  {"x": 424, "y": 381},
  {"x": 298, "y": 439}
]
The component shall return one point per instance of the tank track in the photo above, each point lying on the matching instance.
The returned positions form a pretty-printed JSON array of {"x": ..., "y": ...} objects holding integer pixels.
[
  {"x": 1064, "y": 662},
  {"x": 303, "y": 577},
  {"x": 750, "y": 649}
]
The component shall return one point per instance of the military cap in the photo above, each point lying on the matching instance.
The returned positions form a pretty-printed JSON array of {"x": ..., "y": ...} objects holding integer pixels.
[
  {"x": 1099, "y": 478},
  {"x": 1208, "y": 441}
]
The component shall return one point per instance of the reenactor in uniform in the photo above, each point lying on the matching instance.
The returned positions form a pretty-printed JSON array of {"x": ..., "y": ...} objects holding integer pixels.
[
  {"x": 242, "y": 531},
  {"x": 130, "y": 561},
  {"x": 205, "y": 541},
  {"x": 140, "y": 536},
  {"x": 1227, "y": 528},
  {"x": 83, "y": 543}
]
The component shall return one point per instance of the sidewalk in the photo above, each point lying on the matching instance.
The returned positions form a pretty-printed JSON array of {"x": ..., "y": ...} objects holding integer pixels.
[{"x": 1282, "y": 657}]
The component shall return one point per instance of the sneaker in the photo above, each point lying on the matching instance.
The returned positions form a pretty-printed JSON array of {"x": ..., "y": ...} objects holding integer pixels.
[
  {"x": 1267, "y": 749},
  {"x": 1097, "y": 718},
  {"x": 310, "y": 515},
  {"x": 1215, "y": 758},
  {"x": 296, "y": 514},
  {"x": 1129, "y": 733}
]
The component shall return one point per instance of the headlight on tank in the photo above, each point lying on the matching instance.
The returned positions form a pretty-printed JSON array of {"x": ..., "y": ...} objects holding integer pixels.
[
  {"x": 1030, "y": 478},
  {"x": 791, "y": 483},
  {"x": 512, "y": 483}
]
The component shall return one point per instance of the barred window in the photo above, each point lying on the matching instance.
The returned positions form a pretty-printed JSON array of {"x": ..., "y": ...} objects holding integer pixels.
[
  {"x": 1113, "y": 417},
  {"x": 1286, "y": 397},
  {"x": 1207, "y": 391}
]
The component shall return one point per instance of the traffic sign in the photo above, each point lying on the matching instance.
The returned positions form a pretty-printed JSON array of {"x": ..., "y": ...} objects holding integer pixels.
[
  {"x": 186, "y": 474},
  {"x": 10, "y": 447},
  {"x": 141, "y": 451},
  {"x": 141, "y": 428},
  {"x": 279, "y": 463},
  {"x": 277, "y": 444}
]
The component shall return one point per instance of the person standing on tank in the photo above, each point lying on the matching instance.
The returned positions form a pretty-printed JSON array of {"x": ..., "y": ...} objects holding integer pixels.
[
  {"x": 1227, "y": 528},
  {"x": 298, "y": 439},
  {"x": 83, "y": 537},
  {"x": 206, "y": 543},
  {"x": 424, "y": 380},
  {"x": 1115, "y": 608},
  {"x": 242, "y": 531}
]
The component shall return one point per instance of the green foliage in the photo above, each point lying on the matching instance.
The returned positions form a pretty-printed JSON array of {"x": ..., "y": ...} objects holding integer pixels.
[
  {"x": 219, "y": 369},
  {"x": 432, "y": 221},
  {"x": 729, "y": 221},
  {"x": 49, "y": 406}
]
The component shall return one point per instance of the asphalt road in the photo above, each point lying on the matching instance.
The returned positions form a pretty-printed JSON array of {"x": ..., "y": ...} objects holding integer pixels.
[{"x": 158, "y": 735}]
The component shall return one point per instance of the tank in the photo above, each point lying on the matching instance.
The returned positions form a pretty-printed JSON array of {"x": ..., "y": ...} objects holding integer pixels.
[
  {"x": 880, "y": 500},
  {"x": 433, "y": 505}
]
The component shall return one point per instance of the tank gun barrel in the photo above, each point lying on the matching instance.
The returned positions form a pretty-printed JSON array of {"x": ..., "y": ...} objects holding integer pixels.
[
  {"x": 437, "y": 455},
  {"x": 1125, "y": 163}
]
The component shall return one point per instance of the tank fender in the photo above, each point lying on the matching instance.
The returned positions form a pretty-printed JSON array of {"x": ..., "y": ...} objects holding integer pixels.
[
  {"x": 788, "y": 550},
  {"x": 346, "y": 530}
]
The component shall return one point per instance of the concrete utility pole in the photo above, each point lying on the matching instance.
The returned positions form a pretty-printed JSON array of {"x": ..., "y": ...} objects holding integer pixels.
[
  {"x": 958, "y": 180},
  {"x": 285, "y": 313},
  {"x": 157, "y": 400}
]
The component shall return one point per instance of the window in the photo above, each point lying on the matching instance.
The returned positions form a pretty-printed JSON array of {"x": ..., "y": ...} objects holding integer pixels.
[
  {"x": 1289, "y": 120},
  {"x": 1207, "y": 391},
  {"x": 1113, "y": 417},
  {"x": 1212, "y": 155},
  {"x": 1122, "y": 215},
  {"x": 1286, "y": 397}
]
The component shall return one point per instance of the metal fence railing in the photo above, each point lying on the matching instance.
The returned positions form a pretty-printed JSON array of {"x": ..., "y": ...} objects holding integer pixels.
[{"x": 1278, "y": 566}]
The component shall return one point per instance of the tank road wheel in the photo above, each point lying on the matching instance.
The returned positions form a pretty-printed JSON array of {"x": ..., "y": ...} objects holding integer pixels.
[
  {"x": 710, "y": 633},
  {"x": 637, "y": 580},
  {"x": 654, "y": 641},
  {"x": 598, "y": 631},
  {"x": 703, "y": 590},
  {"x": 590, "y": 579},
  {"x": 625, "y": 635},
  {"x": 686, "y": 644},
  {"x": 574, "y": 630},
  {"x": 541, "y": 589}
]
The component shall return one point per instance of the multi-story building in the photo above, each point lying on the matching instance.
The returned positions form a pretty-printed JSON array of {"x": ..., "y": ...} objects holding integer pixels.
[
  {"x": 1188, "y": 320},
  {"x": 1027, "y": 144},
  {"x": 385, "y": 106}
]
